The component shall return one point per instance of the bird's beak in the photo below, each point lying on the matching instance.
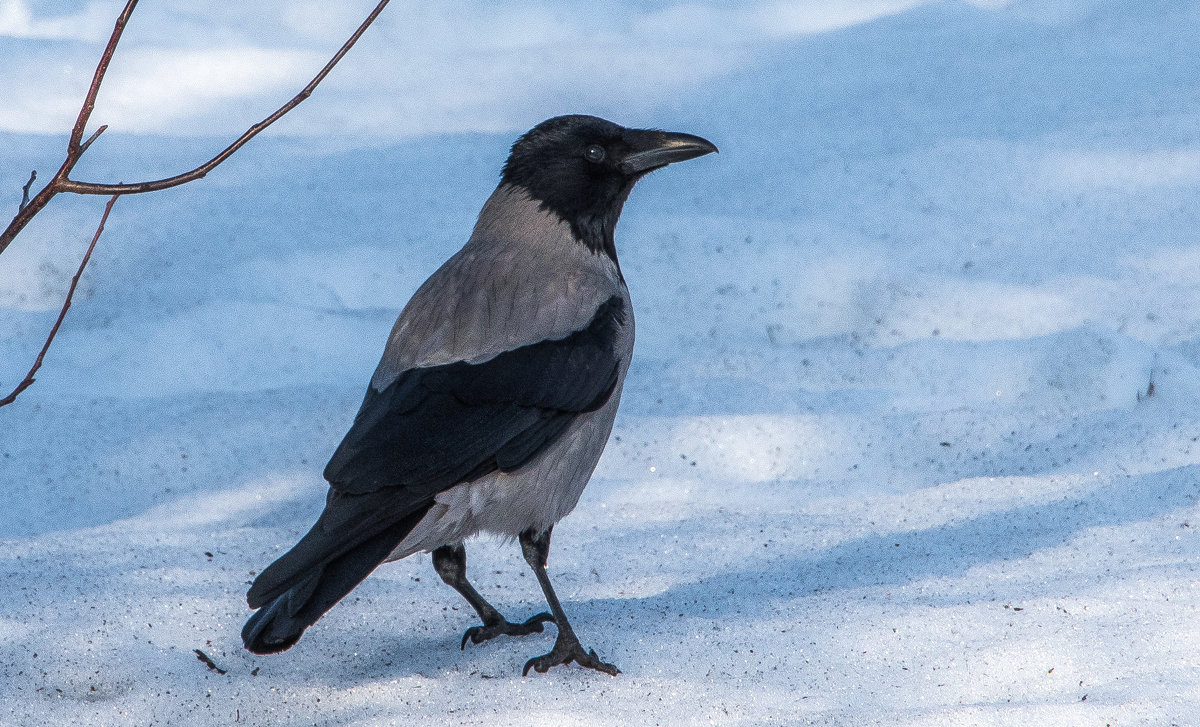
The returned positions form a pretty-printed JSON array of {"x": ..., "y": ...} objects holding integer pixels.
[{"x": 654, "y": 149}]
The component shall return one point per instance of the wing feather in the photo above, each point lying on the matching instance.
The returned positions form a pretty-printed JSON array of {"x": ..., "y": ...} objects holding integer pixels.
[{"x": 434, "y": 427}]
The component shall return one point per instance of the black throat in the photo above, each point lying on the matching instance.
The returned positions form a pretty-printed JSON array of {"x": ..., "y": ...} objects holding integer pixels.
[
  {"x": 590, "y": 206},
  {"x": 593, "y": 224},
  {"x": 595, "y": 228}
]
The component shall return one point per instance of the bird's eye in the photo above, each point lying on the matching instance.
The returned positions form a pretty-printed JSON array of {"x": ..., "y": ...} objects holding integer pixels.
[{"x": 595, "y": 154}]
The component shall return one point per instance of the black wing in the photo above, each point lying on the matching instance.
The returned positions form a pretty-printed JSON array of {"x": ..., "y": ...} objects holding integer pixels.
[
  {"x": 429, "y": 430},
  {"x": 438, "y": 426}
]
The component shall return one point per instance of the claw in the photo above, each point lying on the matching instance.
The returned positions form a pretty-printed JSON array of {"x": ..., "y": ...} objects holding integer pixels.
[
  {"x": 479, "y": 634},
  {"x": 564, "y": 652}
]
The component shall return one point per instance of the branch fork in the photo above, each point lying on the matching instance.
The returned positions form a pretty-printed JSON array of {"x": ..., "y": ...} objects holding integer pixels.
[{"x": 77, "y": 145}]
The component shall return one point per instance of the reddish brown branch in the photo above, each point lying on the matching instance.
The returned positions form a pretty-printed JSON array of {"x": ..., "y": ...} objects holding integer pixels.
[
  {"x": 75, "y": 148},
  {"x": 199, "y": 172},
  {"x": 37, "y": 364}
]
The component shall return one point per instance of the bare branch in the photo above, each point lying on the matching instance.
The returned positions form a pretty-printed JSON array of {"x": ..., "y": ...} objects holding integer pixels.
[
  {"x": 37, "y": 364},
  {"x": 199, "y": 172},
  {"x": 25, "y": 214},
  {"x": 84, "y": 146},
  {"x": 25, "y": 190},
  {"x": 76, "y": 147}
]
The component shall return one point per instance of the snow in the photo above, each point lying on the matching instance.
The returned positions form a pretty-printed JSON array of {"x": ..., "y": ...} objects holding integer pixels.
[{"x": 888, "y": 452}]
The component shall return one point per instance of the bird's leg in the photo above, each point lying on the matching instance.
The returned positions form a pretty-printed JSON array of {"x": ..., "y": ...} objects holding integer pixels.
[
  {"x": 536, "y": 548},
  {"x": 450, "y": 561}
]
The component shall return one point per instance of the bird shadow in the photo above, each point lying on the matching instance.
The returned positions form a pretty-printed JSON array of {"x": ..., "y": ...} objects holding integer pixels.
[{"x": 765, "y": 583}]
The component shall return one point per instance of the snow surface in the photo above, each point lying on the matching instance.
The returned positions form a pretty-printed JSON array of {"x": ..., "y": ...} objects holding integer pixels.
[{"x": 887, "y": 455}]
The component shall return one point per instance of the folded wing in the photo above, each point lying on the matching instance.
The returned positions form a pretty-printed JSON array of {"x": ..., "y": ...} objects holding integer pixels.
[{"x": 435, "y": 427}]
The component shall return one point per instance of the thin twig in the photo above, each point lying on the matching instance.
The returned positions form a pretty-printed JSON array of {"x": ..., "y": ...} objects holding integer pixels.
[
  {"x": 84, "y": 146},
  {"x": 208, "y": 661},
  {"x": 61, "y": 182},
  {"x": 89, "y": 102},
  {"x": 70, "y": 185},
  {"x": 37, "y": 364},
  {"x": 75, "y": 146},
  {"x": 25, "y": 190}
]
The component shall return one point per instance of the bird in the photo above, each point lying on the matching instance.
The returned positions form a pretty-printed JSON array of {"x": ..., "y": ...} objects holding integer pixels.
[{"x": 495, "y": 394}]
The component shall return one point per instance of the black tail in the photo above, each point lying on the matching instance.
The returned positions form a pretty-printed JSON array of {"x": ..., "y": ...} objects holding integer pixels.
[{"x": 278, "y": 625}]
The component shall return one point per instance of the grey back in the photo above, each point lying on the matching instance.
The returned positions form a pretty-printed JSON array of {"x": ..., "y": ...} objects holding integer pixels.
[{"x": 521, "y": 278}]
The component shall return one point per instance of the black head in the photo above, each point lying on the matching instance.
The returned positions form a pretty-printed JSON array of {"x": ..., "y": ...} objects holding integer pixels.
[{"x": 582, "y": 168}]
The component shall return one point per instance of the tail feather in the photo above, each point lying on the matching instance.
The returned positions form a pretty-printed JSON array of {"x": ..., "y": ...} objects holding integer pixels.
[
  {"x": 271, "y": 630},
  {"x": 278, "y": 625}
]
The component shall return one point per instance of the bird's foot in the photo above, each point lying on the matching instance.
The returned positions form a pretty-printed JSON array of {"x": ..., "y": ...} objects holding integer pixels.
[
  {"x": 565, "y": 651},
  {"x": 479, "y": 634}
]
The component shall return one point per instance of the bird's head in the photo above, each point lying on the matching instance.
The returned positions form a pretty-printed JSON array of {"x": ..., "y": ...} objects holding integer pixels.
[{"x": 582, "y": 168}]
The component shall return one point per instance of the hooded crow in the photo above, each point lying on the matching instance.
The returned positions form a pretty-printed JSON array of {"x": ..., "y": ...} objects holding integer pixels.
[{"x": 495, "y": 395}]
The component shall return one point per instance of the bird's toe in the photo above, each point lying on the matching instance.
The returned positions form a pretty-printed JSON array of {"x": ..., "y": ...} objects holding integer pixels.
[
  {"x": 565, "y": 652},
  {"x": 480, "y": 634}
]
